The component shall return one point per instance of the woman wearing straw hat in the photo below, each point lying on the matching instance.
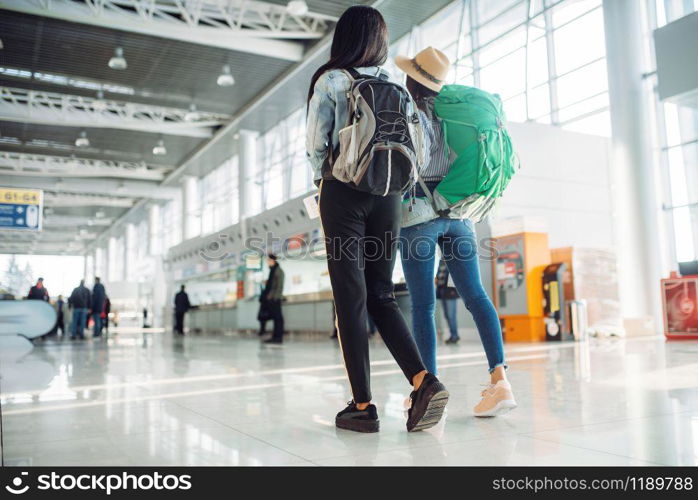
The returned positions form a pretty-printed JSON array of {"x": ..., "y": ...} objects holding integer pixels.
[
  {"x": 351, "y": 217},
  {"x": 426, "y": 73}
]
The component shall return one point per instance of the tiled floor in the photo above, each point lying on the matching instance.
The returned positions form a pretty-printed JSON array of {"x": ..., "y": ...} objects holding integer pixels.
[{"x": 151, "y": 399}]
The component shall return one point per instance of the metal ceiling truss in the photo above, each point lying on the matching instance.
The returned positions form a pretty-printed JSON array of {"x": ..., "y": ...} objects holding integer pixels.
[
  {"x": 51, "y": 108},
  {"x": 62, "y": 166},
  {"x": 241, "y": 25},
  {"x": 37, "y": 246},
  {"x": 126, "y": 189},
  {"x": 54, "y": 199},
  {"x": 73, "y": 221},
  {"x": 46, "y": 236}
]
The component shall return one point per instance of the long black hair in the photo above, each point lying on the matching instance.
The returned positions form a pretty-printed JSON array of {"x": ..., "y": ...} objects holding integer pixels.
[
  {"x": 360, "y": 40},
  {"x": 419, "y": 92}
]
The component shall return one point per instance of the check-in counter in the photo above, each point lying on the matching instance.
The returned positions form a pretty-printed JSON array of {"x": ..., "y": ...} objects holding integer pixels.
[{"x": 308, "y": 312}]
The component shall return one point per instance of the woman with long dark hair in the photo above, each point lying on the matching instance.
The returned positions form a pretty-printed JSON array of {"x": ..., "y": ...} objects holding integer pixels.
[{"x": 352, "y": 220}]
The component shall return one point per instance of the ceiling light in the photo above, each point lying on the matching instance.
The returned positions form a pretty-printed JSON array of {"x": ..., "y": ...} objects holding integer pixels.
[
  {"x": 160, "y": 148},
  {"x": 118, "y": 61},
  {"x": 297, "y": 8},
  {"x": 191, "y": 115},
  {"x": 82, "y": 141},
  {"x": 225, "y": 79}
]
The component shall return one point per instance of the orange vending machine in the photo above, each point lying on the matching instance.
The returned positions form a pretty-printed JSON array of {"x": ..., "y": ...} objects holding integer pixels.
[{"x": 518, "y": 273}]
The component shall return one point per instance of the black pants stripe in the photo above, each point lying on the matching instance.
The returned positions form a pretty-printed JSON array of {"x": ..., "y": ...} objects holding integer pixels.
[{"x": 361, "y": 231}]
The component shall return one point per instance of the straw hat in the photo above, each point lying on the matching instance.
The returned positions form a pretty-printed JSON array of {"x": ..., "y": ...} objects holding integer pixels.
[{"x": 429, "y": 67}]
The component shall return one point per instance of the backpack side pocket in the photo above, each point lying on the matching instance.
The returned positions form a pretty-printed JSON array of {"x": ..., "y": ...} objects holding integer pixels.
[{"x": 344, "y": 167}]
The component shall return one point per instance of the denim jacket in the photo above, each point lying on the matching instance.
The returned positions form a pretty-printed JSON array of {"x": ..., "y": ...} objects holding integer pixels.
[{"x": 324, "y": 116}]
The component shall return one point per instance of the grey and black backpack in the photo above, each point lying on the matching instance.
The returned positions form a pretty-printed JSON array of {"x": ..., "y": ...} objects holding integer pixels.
[{"x": 381, "y": 148}]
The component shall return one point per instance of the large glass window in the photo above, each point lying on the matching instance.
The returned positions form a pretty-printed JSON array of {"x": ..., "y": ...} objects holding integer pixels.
[
  {"x": 219, "y": 194},
  {"x": 284, "y": 172},
  {"x": 676, "y": 141},
  {"x": 171, "y": 224},
  {"x": 528, "y": 52}
]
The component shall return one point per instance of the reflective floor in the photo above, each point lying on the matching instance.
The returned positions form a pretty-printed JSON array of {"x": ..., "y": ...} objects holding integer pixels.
[{"x": 152, "y": 399}]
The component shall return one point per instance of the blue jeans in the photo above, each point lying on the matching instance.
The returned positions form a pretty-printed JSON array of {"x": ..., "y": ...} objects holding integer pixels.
[
  {"x": 451, "y": 315},
  {"x": 79, "y": 320},
  {"x": 97, "y": 328},
  {"x": 458, "y": 244}
]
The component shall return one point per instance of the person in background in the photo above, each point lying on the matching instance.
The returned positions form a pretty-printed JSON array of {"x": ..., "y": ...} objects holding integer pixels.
[
  {"x": 449, "y": 301},
  {"x": 99, "y": 295},
  {"x": 79, "y": 301},
  {"x": 60, "y": 315},
  {"x": 38, "y": 291},
  {"x": 105, "y": 314},
  {"x": 182, "y": 305},
  {"x": 271, "y": 298}
]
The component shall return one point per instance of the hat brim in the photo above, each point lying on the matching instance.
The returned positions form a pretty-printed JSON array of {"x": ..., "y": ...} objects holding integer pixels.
[{"x": 405, "y": 64}]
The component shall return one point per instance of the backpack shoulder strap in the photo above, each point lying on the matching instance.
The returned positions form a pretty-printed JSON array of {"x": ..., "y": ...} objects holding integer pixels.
[{"x": 353, "y": 74}]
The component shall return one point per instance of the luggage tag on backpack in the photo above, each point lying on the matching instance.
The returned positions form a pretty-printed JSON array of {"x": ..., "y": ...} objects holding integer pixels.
[{"x": 311, "y": 205}]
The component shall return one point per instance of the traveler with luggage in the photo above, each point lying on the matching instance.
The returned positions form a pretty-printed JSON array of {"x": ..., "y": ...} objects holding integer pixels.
[
  {"x": 270, "y": 301},
  {"x": 99, "y": 295},
  {"x": 105, "y": 314},
  {"x": 365, "y": 142},
  {"x": 471, "y": 163},
  {"x": 60, "y": 316},
  {"x": 182, "y": 305},
  {"x": 79, "y": 301}
]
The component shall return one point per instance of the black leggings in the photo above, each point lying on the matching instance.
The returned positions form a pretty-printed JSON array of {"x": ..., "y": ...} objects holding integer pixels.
[{"x": 361, "y": 233}]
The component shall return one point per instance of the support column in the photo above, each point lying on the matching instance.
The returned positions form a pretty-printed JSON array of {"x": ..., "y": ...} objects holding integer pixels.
[
  {"x": 247, "y": 164},
  {"x": 154, "y": 241},
  {"x": 129, "y": 260},
  {"x": 111, "y": 272},
  {"x": 191, "y": 220},
  {"x": 636, "y": 202}
]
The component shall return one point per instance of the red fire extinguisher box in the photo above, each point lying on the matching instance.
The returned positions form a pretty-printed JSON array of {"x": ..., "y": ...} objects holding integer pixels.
[{"x": 680, "y": 304}]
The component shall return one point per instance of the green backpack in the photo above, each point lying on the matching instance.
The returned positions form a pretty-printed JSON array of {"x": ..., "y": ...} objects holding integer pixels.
[{"x": 474, "y": 129}]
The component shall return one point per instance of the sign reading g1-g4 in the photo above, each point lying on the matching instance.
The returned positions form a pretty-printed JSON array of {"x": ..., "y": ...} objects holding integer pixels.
[{"x": 21, "y": 208}]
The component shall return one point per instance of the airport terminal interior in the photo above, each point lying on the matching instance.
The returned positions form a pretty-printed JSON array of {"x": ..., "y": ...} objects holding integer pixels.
[{"x": 153, "y": 145}]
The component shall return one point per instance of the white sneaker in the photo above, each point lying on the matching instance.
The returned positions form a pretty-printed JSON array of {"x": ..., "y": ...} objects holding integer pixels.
[{"x": 497, "y": 399}]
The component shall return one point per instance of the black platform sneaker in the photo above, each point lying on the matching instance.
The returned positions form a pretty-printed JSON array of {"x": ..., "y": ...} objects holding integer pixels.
[
  {"x": 428, "y": 403},
  {"x": 353, "y": 419}
]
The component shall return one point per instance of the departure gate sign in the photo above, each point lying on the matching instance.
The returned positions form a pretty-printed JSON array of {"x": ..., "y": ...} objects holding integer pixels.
[{"x": 21, "y": 208}]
